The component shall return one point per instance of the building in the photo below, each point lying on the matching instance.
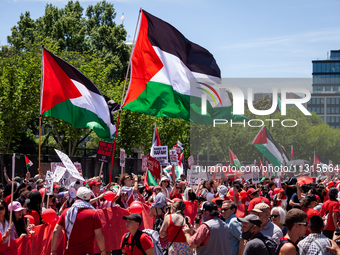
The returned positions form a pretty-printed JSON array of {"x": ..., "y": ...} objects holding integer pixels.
[{"x": 325, "y": 99}]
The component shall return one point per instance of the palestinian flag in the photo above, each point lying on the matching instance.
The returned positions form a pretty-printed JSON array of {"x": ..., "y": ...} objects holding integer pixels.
[
  {"x": 165, "y": 67},
  {"x": 180, "y": 145},
  {"x": 69, "y": 95},
  {"x": 319, "y": 162},
  {"x": 155, "y": 140},
  {"x": 28, "y": 162},
  {"x": 234, "y": 160},
  {"x": 265, "y": 143},
  {"x": 292, "y": 155},
  {"x": 149, "y": 180},
  {"x": 181, "y": 160}
]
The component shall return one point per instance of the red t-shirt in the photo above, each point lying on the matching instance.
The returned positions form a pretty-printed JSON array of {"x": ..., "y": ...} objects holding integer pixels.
[
  {"x": 82, "y": 235},
  {"x": 330, "y": 206},
  {"x": 175, "y": 195},
  {"x": 310, "y": 212},
  {"x": 256, "y": 201},
  {"x": 145, "y": 241},
  {"x": 35, "y": 216}
]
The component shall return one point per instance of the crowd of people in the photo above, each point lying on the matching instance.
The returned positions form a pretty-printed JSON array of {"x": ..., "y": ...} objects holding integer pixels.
[{"x": 229, "y": 216}]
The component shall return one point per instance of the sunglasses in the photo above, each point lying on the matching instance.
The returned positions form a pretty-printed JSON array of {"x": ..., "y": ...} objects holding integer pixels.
[
  {"x": 2, "y": 208},
  {"x": 303, "y": 223},
  {"x": 274, "y": 215},
  {"x": 127, "y": 178},
  {"x": 165, "y": 181},
  {"x": 225, "y": 209}
]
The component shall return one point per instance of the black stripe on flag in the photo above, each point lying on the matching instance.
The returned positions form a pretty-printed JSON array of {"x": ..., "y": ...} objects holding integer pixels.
[
  {"x": 74, "y": 74},
  {"x": 164, "y": 36}
]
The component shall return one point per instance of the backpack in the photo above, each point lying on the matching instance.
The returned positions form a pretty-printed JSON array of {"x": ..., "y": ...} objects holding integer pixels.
[
  {"x": 159, "y": 221},
  {"x": 269, "y": 243},
  {"x": 151, "y": 233}
]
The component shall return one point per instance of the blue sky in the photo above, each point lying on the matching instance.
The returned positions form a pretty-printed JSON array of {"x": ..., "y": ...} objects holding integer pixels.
[{"x": 277, "y": 39}]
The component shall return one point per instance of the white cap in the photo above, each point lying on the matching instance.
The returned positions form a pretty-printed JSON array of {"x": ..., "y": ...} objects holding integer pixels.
[
  {"x": 210, "y": 196},
  {"x": 222, "y": 190},
  {"x": 84, "y": 193}
]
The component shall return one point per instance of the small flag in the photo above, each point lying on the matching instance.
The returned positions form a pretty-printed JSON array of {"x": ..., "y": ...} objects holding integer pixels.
[
  {"x": 28, "y": 162},
  {"x": 122, "y": 18},
  {"x": 180, "y": 145},
  {"x": 234, "y": 160},
  {"x": 149, "y": 180}
]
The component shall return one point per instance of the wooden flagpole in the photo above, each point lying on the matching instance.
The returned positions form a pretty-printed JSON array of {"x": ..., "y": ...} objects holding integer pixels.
[
  {"x": 127, "y": 73},
  {"x": 12, "y": 191}
]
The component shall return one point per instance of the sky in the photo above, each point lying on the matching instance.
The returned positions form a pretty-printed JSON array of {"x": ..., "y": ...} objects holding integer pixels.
[{"x": 249, "y": 39}]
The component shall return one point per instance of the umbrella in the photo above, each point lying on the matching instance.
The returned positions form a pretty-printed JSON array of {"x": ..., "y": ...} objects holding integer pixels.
[{"x": 304, "y": 180}]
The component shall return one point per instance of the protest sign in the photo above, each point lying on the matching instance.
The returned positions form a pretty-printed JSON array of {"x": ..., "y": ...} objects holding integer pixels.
[
  {"x": 178, "y": 150},
  {"x": 49, "y": 183},
  {"x": 122, "y": 157},
  {"x": 248, "y": 173},
  {"x": 58, "y": 173},
  {"x": 191, "y": 161},
  {"x": 69, "y": 165},
  {"x": 144, "y": 163},
  {"x": 196, "y": 174},
  {"x": 161, "y": 154},
  {"x": 256, "y": 177},
  {"x": 104, "y": 152},
  {"x": 154, "y": 166},
  {"x": 173, "y": 157}
]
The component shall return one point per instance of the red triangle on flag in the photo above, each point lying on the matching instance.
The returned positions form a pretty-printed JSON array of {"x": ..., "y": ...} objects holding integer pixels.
[
  {"x": 261, "y": 137},
  {"x": 57, "y": 86}
]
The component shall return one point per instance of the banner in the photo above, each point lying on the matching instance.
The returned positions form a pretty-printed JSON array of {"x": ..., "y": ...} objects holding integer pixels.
[
  {"x": 104, "y": 152},
  {"x": 161, "y": 154},
  {"x": 178, "y": 150},
  {"x": 154, "y": 167},
  {"x": 66, "y": 178},
  {"x": 196, "y": 174}
]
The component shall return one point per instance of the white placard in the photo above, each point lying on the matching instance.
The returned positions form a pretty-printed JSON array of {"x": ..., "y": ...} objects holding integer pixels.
[
  {"x": 69, "y": 165},
  {"x": 173, "y": 157},
  {"x": 122, "y": 157},
  {"x": 58, "y": 173},
  {"x": 49, "y": 183},
  {"x": 161, "y": 154},
  {"x": 196, "y": 174}
]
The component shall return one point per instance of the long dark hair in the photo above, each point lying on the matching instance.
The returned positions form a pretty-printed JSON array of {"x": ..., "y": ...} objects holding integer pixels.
[
  {"x": 34, "y": 203},
  {"x": 19, "y": 225},
  {"x": 4, "y": 204}
]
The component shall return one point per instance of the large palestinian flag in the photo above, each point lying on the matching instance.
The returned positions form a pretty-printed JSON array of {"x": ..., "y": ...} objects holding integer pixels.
[
  {"x": 265, "y": 143},
  {"x": 69, "y": 95},
  {"x": 164, "y": 72},
  {"x": 234, "y": 160}
]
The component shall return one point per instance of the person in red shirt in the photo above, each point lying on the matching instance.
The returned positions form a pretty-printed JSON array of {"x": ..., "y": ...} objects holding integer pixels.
[
  {"x": 176, "y": 192},
  {"x": 82, "y": 224},
  {"x": 307, "y": 205},
  {"x": 129, "y": 242},
  {"x": 255, "y": 199},
  {"x": 331, "y": 209}
]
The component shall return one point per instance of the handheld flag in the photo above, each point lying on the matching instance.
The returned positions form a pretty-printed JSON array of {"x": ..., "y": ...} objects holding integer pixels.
[
  {"x": 69, "y": 95},
  {"x": 28, "y": 162},
  {"x": 149, "y": 180},
  {"x": 163, "y": 64},
  {"x": 265, "y": 143},
  {"x": 234, "y": 160}
]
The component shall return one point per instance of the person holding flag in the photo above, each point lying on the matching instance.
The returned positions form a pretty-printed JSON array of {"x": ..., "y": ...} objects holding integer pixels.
[
  {"x": 28, "y": 162},
  {"x": 129, "y": 187}
]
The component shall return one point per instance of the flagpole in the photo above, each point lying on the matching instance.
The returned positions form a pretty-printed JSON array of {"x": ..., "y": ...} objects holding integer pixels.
[
  {"x": 41, "y": 91},
  {"x": 114, "y": 148},
  {"x": 127, "y": 73},
  {"x": 12, "y": 191}
]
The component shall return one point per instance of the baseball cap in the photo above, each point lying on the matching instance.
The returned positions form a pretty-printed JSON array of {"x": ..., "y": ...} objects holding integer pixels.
[
  {"x": 251, "y": 218},
  {"x": 261, "y": 207},
  {"x": 164, "y": 178},
  {"x": 134, "y": 217},
  {"x": 331, "y": 184},
  {"x": 94, "y": 182},
  {"x": 17, "y": 179},
  {"x": 16, "y": 207},
  {"x": 251, "y": 191},
  {"x": 56, "y": 186},
  {"x": 84, "y": 193},
  {"x": 209, "y": 206},
  {"x": 222, "y": 190}
]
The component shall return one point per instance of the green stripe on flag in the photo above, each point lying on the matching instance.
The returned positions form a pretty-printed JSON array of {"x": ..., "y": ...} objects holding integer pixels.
[{"x": 151, "y": 180}]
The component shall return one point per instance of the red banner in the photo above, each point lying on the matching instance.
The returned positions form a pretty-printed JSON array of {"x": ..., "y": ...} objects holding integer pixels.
[
  {"x": 114, "y": 227},
  {"x": 154, "y": 167}
]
